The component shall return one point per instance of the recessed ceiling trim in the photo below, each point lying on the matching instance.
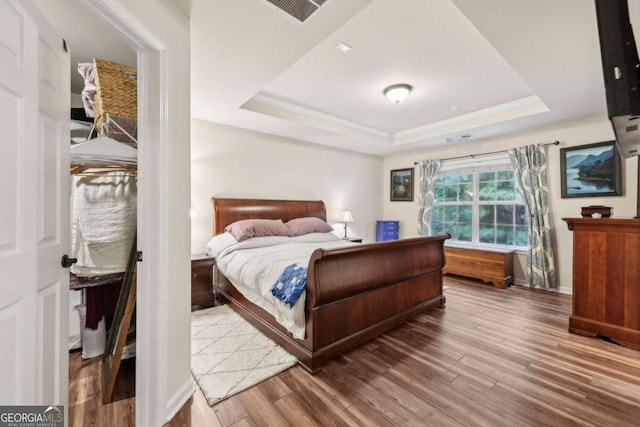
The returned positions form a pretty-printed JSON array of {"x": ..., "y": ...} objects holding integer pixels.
[
  {"x": 522, "y": 107},
  {"x": 268, "y": 104},
  {"x": 313, "y": 114}
]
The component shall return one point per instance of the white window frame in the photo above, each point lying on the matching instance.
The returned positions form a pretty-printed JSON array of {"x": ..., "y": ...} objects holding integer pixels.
[{"x": 475, "y": 166}]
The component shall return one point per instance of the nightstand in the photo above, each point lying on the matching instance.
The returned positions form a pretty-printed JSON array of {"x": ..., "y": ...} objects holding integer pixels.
[
  {"x": 354, "y": 240},
  {"x": 202, "y": 294}
]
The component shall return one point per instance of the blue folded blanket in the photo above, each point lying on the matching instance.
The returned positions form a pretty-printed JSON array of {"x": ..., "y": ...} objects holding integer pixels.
[{"x": 290, "y": 284}]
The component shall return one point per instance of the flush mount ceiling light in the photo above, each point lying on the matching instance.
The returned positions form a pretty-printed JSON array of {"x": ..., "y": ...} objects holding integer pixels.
[
  {"x": 343, "y": 47},
  {"x": 397, "y": 93}
]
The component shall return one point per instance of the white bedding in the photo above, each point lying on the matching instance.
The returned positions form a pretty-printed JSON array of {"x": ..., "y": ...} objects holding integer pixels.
[{"x": 254, "y": 265}]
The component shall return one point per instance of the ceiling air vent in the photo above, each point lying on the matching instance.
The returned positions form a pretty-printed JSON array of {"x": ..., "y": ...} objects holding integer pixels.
[
  {"x": 299, "y": 9},
  {"x": 458, "y": 138}
]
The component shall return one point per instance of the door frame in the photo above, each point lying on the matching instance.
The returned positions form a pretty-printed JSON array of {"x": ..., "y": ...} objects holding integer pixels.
[{"x": 152, "y": 206}]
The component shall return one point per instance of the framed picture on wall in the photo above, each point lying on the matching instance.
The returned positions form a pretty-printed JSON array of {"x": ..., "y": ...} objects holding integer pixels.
[
  {"x": 591, "y": 170},
  {"x": 402, "y": 185}
]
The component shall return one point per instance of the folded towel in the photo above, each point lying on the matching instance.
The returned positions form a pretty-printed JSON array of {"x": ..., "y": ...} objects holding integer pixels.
[
  {"x": 290, "y": 284},
  {"x": 106, "y": 207}
]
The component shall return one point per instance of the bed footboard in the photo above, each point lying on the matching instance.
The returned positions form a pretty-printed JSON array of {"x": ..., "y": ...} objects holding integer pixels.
[
  {"x": 357, "y": 293},
  {"x": 341, "y": 273}
]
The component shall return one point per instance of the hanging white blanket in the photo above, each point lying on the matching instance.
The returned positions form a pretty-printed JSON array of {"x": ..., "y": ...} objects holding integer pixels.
[{"x": 103, "y": 213}]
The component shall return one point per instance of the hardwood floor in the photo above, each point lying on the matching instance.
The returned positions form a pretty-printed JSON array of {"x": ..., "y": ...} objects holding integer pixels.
[
  {"x": 85, "y": 394},
  {"x": 492, "y": 357}
]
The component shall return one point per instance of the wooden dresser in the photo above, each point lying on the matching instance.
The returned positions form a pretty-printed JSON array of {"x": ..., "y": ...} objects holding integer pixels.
[
  {"x": 606, "y": 279},
  {"x": 489, "y": 265}
]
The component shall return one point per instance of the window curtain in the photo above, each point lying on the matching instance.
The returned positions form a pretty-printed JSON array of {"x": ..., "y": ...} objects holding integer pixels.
[
  {"x": 530, "y": 167},
  {"x": 429, "y": 171}
]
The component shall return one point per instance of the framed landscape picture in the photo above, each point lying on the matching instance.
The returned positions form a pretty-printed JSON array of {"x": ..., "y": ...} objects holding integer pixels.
[
  {"x": 591, "y": 170},
  {"x": 402, "y": 185}
]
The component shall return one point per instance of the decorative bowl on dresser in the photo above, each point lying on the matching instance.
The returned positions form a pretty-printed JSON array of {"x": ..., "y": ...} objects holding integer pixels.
[
  {"x": 202, "y": 293},
  {"x": 588, "y": 211}
]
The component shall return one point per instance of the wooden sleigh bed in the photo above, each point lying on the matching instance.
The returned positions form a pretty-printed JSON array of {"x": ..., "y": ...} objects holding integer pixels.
[{"x": 352, "y": 294}]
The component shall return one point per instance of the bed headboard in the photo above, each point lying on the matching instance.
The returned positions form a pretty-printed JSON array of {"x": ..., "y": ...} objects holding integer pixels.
[{"x": 226, "y": 211}]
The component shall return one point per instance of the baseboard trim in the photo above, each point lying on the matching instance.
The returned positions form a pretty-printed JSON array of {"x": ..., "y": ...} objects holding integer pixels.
[
  {"x": 561, "y": 290},
  {"x": 180, "y": 398},
  {"x": 566, "y": 290}
]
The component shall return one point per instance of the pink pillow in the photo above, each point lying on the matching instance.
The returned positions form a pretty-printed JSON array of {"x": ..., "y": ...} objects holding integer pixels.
[
  {"x": 306, "y": 225},
  {"x": 246, "y": 228}
]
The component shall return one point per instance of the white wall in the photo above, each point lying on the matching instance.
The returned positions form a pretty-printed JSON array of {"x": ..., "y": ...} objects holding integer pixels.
[
  {"x": 228, "y": 161},
  {"x": 171, "y": 340},
  {"x": 571, "y": 134}
]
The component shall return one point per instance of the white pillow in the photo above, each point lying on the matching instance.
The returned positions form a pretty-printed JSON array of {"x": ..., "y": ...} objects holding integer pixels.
[
  {"x": 219, "y": 243},
  {"x": 315, "y": 237}
]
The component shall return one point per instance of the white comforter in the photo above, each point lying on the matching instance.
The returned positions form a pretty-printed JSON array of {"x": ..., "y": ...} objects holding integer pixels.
[{"x": 254, "y": 265}]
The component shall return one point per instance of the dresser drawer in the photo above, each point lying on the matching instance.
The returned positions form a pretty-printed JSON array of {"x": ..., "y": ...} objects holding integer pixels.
[
  {"x": 201, "y": 272},
  {"x": 388, "y": 225},
  {"x": 202, "y": 295},
  {"x": 383, "y": 237}
]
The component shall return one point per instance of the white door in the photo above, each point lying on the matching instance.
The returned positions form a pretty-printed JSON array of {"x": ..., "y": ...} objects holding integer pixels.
[{"x": 34, "y": 208}]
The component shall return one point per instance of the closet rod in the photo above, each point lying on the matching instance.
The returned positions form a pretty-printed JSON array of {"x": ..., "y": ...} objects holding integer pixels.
[
  {"x": 101, "y": 169},
  {"x": 486, "y": 154}
]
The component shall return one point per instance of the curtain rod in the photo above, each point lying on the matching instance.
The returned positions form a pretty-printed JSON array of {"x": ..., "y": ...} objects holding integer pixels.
[{"x": 489, "y": 153}]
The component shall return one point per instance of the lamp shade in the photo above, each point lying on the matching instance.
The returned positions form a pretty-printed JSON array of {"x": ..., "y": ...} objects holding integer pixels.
[
  {"x": 346, "y": 216},
  {"x": 397, "y": 93}
]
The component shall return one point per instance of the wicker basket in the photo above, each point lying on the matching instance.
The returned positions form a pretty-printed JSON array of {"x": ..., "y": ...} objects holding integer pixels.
[{"x": 116, "y": 91}]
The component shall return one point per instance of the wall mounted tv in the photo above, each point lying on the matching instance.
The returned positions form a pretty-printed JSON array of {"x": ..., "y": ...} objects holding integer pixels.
[{"x": 621, "y": 68}]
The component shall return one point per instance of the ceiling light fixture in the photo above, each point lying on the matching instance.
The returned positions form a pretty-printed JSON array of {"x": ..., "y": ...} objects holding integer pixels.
[
  {"x": 397, "y": 93},
  {"x": 343, "y": 47}
]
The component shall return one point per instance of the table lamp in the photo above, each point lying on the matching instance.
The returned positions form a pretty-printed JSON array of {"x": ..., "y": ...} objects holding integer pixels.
[{"x": 346, "y": 217}]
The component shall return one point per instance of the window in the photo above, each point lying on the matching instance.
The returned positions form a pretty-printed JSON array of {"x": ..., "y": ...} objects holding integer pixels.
[{"x": 481, "y": 206}]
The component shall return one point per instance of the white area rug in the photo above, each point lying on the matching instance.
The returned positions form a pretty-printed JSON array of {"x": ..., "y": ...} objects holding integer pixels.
[{"x": 229, "y": 355}]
